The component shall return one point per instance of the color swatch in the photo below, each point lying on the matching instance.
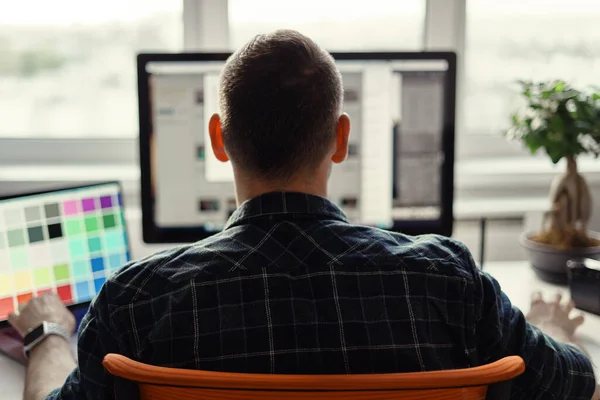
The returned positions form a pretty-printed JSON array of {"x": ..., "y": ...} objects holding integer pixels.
[{"x": 66, "y": 241}]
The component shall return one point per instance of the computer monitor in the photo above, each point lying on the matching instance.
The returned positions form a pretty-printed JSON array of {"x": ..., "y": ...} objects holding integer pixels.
[
  {"x": 63, "y": 241},
  {"x": 400, "y": 168}
]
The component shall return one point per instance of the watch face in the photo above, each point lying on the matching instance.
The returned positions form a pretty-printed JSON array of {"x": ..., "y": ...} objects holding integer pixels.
[{"x": 33, "y": 335}]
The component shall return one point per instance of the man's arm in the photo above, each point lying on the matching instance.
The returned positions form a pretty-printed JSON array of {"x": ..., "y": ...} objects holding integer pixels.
[
  {"x": 554, "y": 370},
  {"x": 51, "y": 361},
  {"x": 49, "y": 365}
]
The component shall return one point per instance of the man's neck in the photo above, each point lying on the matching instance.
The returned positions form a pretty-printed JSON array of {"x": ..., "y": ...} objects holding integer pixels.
[{"x": 247, "y": 188}]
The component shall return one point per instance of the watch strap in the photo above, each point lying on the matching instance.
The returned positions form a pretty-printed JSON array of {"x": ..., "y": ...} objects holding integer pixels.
[{"x": 37, "y": 335}]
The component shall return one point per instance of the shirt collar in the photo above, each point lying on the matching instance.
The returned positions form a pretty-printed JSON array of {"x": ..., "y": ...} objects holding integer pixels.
[{"x": 285, "y": 206}]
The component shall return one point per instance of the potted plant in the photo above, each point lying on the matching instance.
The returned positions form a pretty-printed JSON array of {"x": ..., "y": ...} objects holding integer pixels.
[{"x": 565, "y": 123}]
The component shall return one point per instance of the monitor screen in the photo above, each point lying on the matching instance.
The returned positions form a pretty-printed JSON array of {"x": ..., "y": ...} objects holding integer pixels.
[
  {"x": 64, "y": 241},
  {"x": 401, "y": 108}
]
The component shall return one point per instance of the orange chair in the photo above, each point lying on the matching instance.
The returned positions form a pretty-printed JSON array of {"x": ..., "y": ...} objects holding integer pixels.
[{"x": 147, "y": 382}]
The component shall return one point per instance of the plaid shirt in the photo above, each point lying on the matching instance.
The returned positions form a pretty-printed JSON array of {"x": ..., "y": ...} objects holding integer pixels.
[{"x": 290, "y": 287}]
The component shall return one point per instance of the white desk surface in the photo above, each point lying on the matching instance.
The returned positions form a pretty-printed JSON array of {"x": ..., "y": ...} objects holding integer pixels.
[{"x": 516, "y": 278}]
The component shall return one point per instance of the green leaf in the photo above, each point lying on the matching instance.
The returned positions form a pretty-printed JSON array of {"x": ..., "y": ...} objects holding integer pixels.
[
  {"x": 561, "y": 96},
  {"x": 559, "y": 87},
  {"x": 557, "y": 124},
  {"x": 533, "y": 141},
  {"x": 582, "y": 109},
  {"x": 535, "y": 106},
  {"x": 555, "y": 155}
]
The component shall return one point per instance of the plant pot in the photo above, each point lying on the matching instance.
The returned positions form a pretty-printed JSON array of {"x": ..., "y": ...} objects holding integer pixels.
[{"x": 550, "y": 264}]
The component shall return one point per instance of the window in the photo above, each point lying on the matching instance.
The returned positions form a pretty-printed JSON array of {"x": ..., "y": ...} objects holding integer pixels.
[
  {"x": 68, "y": 107},
  {"x": 337, "y": 25},
  {"x": 67, "y": 67},
  {"x": 532, "y": 40}
]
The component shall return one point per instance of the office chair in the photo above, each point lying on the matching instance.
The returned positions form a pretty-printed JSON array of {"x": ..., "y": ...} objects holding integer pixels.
[{"x": 146, "y": 382}]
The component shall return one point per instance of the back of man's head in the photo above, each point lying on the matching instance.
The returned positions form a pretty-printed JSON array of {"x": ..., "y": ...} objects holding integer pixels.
[{"x": 281, "y": 97}]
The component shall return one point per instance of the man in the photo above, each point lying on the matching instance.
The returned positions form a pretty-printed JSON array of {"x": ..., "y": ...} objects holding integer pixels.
[{"x": 290, "y": 286}]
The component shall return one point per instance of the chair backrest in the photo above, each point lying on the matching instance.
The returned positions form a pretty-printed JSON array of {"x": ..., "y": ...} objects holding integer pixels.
[{"x": 153, "y": 383}]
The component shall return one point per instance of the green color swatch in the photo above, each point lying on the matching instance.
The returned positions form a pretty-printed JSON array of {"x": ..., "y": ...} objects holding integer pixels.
[
  {"x": 73, "y": 227},
  {"x": 42, "y": 277},
  {"x": 114, "y": 240},
  {"x": 18, "y": 258},
  {"x": 94, "y": 244},
  {"x": 109, "y": 221},
  {"x": 81, "y": 269},
  {"x": 61, "y": 272},
  {"x": 91, "y": 224},
  {"x": 77, "y": 247},
  {"x": 16, "y": 237}
]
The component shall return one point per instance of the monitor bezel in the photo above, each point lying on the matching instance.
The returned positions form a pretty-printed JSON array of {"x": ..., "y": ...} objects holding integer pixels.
[
  {"x": 75, "y": 306},
  {"x": 152, "y": 233}
]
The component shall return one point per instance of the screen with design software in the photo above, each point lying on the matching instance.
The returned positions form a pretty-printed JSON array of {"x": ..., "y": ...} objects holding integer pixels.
[
  {"x": 401, "y": 108},
  {"x": 63, "y": 241}
]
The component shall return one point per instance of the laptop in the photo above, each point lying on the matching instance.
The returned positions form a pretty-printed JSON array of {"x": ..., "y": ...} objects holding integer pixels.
[{"x": 65, "y": 241}]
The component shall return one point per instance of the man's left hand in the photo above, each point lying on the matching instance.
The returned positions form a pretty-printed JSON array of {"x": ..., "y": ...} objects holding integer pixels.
[{"x": 46, "y": 307}]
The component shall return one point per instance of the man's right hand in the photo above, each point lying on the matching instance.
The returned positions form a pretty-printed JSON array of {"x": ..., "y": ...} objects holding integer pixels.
[{"x": 553, "y": 317}]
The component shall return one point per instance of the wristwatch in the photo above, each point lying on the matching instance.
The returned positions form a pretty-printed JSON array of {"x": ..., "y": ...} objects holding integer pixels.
[{"x": 37, "y": 335}]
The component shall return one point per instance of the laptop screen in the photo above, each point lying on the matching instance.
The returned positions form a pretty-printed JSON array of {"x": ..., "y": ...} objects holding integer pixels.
[{"x": 64, "y": 241}]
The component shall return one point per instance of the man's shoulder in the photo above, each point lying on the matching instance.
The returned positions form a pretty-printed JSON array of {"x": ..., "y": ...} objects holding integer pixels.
[
  {"x": 436, "y": 253},
  {"x": 141, "y": 278},
  {"x": 171, "y": 269}
]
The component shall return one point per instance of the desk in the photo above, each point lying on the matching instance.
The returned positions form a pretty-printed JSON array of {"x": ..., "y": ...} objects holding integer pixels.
[{"x": 516, "y": 278}]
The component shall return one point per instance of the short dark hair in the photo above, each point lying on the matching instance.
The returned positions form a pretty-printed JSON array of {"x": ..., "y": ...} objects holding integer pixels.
[{"x": 280, "y": 98}]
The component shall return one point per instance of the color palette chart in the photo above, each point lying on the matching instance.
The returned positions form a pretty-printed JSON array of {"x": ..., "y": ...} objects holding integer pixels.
[{"x": 66, "y": 241}]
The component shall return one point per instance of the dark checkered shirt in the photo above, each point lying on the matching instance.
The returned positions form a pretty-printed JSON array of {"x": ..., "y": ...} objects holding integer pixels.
[{"x": 290, "y": 287}]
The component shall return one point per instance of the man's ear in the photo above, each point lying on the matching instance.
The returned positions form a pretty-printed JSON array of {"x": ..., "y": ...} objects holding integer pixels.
[
  {"x": 216, "y": 138},
  {"x": 341, "y": 139}
]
